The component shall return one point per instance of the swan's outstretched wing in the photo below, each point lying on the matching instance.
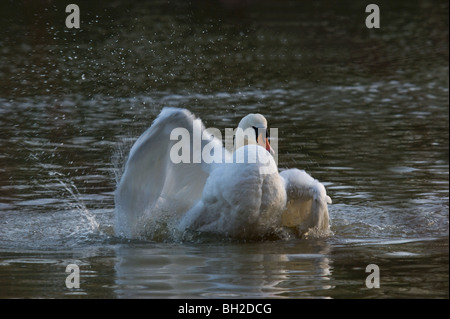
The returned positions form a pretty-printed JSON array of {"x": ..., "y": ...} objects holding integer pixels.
[
  {"x": 153, "y": 182},
  {"x": 307, "y": 201}
]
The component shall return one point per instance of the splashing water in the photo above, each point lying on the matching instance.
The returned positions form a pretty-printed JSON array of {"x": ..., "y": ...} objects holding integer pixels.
[
  {"x": 71, "y": 224},
  {"x": 91, "y": 224}
]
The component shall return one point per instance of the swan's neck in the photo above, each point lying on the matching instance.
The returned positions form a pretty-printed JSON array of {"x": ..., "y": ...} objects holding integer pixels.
[{"x": 244, "y": 137}]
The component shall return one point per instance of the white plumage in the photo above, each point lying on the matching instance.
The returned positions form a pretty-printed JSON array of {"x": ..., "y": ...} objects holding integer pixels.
[{"x": 238, "y": 195}]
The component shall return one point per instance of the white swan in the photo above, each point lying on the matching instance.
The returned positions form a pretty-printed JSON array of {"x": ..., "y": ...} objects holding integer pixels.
[{"x": 238, "y": 194}]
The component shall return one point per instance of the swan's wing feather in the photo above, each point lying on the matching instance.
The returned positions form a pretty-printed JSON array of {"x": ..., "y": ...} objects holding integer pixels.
[
  {"x": 152, "y": 181},
  {"x": 307, "y": 202}
]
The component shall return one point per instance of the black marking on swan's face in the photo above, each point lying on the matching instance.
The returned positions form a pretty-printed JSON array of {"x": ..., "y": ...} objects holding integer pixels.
[{"x": 263, "y": 130}]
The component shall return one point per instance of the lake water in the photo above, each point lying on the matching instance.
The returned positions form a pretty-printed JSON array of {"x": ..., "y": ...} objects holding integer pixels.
[{"x": 365, "y": 111}]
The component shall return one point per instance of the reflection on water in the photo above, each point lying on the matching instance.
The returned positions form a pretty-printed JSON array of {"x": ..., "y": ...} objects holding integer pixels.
[
  {"x": 199, "y": 271},
  {"x": 364, "y": 111},
  {"x": 293, "y": 269}
]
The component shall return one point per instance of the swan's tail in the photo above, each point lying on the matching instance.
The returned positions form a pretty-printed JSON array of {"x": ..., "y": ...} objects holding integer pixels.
[{"x": 307, "y": 204}]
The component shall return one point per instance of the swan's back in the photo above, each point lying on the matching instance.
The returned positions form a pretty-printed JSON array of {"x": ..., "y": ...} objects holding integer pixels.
[{"x": 239, "y": 200}]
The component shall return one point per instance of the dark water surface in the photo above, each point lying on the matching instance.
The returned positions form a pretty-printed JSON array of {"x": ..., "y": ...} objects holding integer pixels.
[{"x": 365, "y": 111}]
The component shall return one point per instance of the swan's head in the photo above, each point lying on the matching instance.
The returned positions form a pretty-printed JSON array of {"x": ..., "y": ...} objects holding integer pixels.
[{"x": 252, "y": 129}]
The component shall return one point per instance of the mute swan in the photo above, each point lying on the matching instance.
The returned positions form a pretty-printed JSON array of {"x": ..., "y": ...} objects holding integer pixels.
[{"x": 237, "y": 194}]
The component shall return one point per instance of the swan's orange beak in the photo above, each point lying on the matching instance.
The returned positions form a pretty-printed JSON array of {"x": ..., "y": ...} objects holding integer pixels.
[
  {"x": 269, "y": 148},
  {"x": 264, "y": 142}
]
